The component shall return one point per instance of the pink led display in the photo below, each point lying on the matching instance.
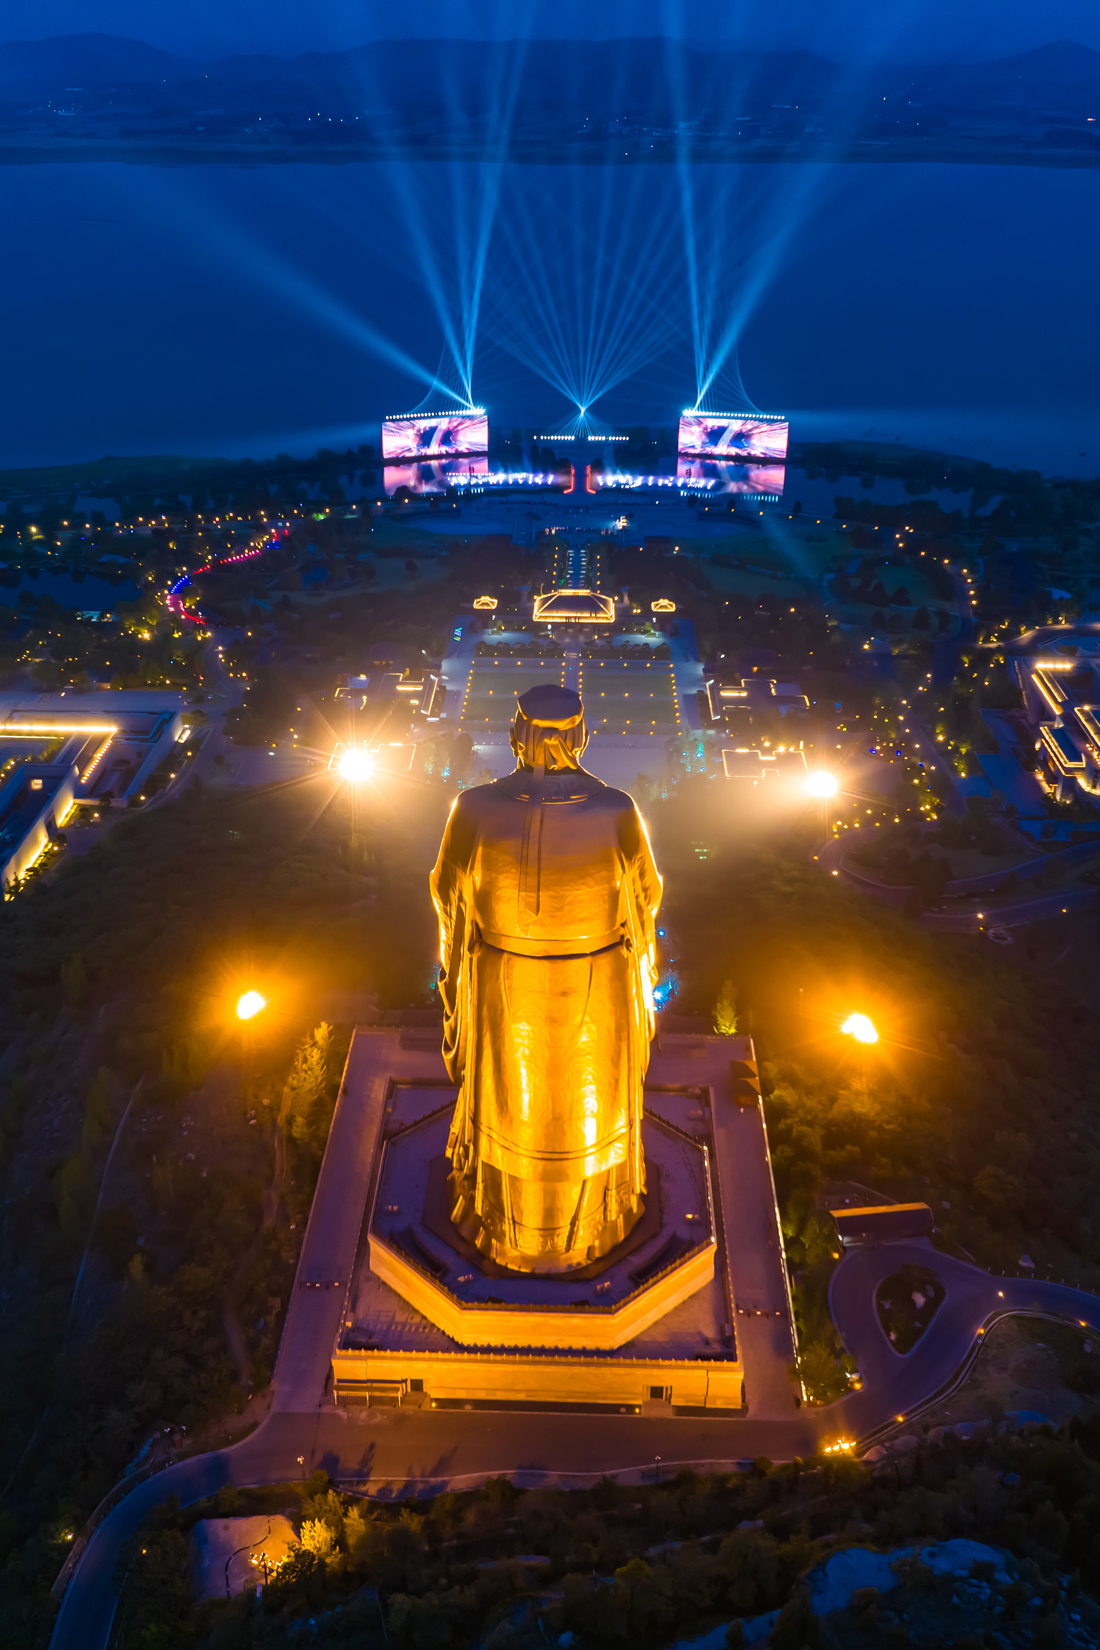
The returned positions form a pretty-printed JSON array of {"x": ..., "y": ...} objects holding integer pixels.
[
  {"x": 437, "y": 435},
  {"x": 722, "y": 436}
]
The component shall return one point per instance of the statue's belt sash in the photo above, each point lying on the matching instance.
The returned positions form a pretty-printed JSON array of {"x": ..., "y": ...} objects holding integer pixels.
[
  {"x": 530, "y": 1159},
  {"x": 537, "y": 945}
]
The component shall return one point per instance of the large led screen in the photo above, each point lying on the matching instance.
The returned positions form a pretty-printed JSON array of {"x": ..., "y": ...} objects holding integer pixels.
[
  {"x": 438, "y": 435},
  {"x": 736, "y": 438},
  {"x": 711, "y": 477},
  {"x": 436, "y": 476}
]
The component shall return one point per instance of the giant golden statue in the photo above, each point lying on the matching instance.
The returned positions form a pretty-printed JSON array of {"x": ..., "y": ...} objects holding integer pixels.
[{"x": 547, "y": 895}]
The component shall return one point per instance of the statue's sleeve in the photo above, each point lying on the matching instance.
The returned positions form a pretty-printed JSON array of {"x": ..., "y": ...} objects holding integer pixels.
[
  {"x": 449, "y": 884},
  {"x": 642, "y": 867},
  {"x": 642, "y": 890},
  {"x": 644, "y": 879}
]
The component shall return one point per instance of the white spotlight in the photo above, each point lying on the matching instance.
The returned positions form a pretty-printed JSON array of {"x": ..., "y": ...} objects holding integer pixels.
[
  {"x": 356, "y": 765},
  {"x": 861, "y": 1028},
  {"x": 821, "y": 784}
]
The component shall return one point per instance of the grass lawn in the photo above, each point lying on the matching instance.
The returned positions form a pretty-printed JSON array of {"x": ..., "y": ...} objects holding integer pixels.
[
  {"x": 971, "y": 862},
  {"x": 915, "y": 580},
  {"x": 743, "y": 581},
  {"x": 629, "y": 696},
  {"x": 390, "y": 572},
  {"x": 964, "y": 862},
  {"x": 406, "y": 537},
  {"x": 495, "y": 683}
]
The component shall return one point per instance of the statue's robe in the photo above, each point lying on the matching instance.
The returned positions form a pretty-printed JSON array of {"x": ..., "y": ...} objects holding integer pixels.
[{"x": 547, "y": 895}]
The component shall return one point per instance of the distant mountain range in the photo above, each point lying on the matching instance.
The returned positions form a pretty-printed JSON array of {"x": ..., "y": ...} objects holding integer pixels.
[{"x": 99, "y": 96}]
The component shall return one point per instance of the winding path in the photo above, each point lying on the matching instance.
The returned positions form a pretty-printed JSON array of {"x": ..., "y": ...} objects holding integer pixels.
[
  {"x": 831, "y": 858},
  {"x": 394, "y": 1452},
  {"x": 895, "y": 1384}
]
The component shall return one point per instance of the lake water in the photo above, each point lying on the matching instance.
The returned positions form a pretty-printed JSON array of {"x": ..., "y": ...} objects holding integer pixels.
[{"x": 232, "y": 311}]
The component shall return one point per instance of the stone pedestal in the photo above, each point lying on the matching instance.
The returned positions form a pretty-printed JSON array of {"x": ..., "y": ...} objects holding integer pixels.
[
  {"x": 428, "y": 1320},
  {"x": 667, "y": 1258}
]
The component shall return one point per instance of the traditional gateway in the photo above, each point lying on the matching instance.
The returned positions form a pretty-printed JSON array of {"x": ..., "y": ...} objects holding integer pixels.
[{"x": 542, "y": 1221}]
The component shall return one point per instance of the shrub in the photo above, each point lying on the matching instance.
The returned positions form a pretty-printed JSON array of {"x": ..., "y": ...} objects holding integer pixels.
[
  {"x": 318, "y": 1538},
  {"x": 725, "y": 1012},
  {"x": 420, "y": 1622}
]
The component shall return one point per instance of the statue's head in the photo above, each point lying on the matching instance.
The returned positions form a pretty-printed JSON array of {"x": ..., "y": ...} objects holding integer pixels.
[{"x": 549, "y": 728}]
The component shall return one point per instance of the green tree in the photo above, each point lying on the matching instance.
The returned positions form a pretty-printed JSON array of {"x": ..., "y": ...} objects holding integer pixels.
[
  {"x": 799, "y": 1629},
  {"x": 725, "y": 1012},
  {"x": 355, "y": 1527},
  {"x": 158, "y": 1595},
  {"x": 317, "y": 1537},
  {"x": 327, "y": 1509},
  {"x": 1002, "y": 1194},
  {"x": 652, "y": 1605},
  {"x": 820, "y": 1372},
  {"x": 421, "y": 1622},
  {"x": 750, "y": 1561},
  {"x": 307, "y": 1083}
]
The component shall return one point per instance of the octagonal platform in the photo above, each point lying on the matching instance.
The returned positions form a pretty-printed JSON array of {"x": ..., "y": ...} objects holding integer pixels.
[
  {"x": 411, "y": 1268},
  {"x": 668, "y": 1257}
]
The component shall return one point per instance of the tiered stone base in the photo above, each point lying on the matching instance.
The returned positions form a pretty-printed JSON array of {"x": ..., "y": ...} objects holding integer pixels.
[{"x": 429, "y": 1320}]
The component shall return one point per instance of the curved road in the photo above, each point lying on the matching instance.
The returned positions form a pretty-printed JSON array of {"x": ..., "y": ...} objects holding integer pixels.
[
  {"x": 895, "y": 1384},
  {"x": 830, "y": 857},
  {"x": 395, "y": 1450},
  {"x": 391, "y": 1452}
]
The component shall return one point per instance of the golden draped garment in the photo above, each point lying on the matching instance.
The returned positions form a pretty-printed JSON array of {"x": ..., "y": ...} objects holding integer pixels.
[{"x": 547, "y": 894}]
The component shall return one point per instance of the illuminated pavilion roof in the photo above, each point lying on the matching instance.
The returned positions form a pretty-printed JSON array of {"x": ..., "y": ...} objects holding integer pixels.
[{"x": 575, "y": 606}]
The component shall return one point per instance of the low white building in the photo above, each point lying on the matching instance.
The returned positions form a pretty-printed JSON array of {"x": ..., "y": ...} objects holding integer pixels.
[
  {"x": 57, "y": 749},
  {"x": 1062, "y": 699}
]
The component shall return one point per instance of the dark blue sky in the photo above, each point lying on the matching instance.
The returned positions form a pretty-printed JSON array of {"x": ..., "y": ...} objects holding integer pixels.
[{"x": 917, "y": 30}]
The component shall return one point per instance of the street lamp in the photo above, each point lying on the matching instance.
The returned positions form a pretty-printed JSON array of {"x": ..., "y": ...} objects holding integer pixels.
[
  {"x": 356, "y": 765},
  {"x": 861, "y": 1028},
  {"x": 822, "y": 784},
  {"x": 249, "y": 1005}
]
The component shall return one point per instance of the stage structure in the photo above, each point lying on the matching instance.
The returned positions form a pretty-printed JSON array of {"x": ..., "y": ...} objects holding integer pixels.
[
  {"x": 735, "y": 437},
  {"x": 425, "y": 454},
  {"x": 435, "y": 435},
  {"x": 434, "y": 452},
  {"x": 546, "y": 1217}
]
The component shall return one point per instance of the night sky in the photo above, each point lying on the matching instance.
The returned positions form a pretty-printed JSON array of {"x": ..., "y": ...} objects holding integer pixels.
[{"x": 220, "y": 309}]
